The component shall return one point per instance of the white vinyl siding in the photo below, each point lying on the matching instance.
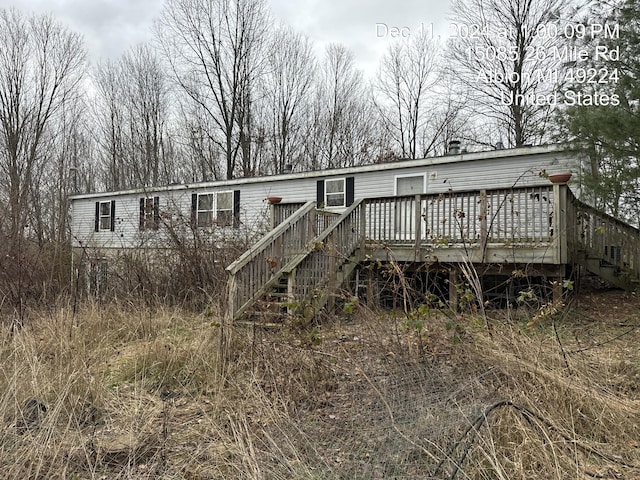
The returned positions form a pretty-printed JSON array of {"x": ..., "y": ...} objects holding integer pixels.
[{"x": 252, "y": 212}]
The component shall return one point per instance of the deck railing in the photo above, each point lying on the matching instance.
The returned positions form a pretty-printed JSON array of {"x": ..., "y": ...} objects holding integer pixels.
[
  {"x": 522, "y": 214},
  {"x": 280, "y": 212}
]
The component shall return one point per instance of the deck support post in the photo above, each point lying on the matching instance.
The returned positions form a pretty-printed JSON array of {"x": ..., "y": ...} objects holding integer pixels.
[
  {"x": 558, "y": 223},
  {"x": 291, "y": 289},
  {"x": 363, "y": 228},
  {"x": 560, "y": 242},
  {"x": 332, "y": 250},
  {"x": 272, "y": 216},
  {"x": 453, "y": 288},
  {"x": 556, "y": 283},
  {"x": 312, "y": 226},
  {"x": 484, "y": 230},
  {"x": 224, "y": 346},
  {"x": 418, "y": 225}
]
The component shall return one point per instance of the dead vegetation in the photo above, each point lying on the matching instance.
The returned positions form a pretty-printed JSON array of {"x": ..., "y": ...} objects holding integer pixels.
[{"x": 120, "y": 391}]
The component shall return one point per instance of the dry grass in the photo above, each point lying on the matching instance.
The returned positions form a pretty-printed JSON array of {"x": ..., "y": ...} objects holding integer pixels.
[{"x": 119, "y": 391}]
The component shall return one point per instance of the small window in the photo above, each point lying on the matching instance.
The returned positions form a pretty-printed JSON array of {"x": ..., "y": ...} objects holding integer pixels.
[
  {"x": 334, "y": 193},
  {"x": 104, "y": 219},
  {"x": 224, "y": 209},
  {"x": 149, "y": 213}
]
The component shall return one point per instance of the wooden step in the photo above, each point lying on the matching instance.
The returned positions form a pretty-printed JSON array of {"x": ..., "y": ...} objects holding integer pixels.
[{"x": 611, "y": 273}]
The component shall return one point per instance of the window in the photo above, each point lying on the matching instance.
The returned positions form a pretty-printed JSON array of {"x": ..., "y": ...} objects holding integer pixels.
[
  {"x": 224, "y": 209},
  {"x": 149, "y": 213},
  {"x": 334, "y": 193},
  {"x": 221, "y": 209},
  {"x": 105, "y": 216},
  {"x": 204, "y": 212}
]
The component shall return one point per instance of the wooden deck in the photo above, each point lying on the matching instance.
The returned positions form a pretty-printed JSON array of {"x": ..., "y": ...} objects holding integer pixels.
[{"x": 309, "y": 253}]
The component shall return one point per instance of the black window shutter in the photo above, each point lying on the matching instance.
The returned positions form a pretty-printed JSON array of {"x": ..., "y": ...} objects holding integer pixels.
[
  {"x": 194, "y": 209},
  {"x": 97, "y": 219},
  {"x": 113, "y": 215},
  {"x": 156, "y": 212},
  {"x": 142, "y": 213},
  {"x": 236, "y": 208},
  {"x": 350, "y": 194},
  {"x": 320, "y": 193}
]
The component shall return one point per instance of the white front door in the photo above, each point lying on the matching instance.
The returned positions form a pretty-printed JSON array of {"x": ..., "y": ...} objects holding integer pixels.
[{"x": 405, "y": 209}]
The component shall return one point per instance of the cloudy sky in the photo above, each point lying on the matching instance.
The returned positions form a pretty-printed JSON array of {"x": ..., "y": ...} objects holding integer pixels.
[{"x": 110, "y": 27}]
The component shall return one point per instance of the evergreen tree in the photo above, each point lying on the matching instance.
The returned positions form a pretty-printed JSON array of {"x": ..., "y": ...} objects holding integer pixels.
[{"x": 605, "y": 123}]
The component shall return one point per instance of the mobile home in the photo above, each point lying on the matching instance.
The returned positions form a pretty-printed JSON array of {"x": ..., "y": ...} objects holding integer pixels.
[{"x": 464, "y": 207}]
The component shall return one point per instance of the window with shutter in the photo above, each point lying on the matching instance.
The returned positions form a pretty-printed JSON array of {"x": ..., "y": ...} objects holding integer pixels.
[
  {"x": 334, "y": 193},
  {"x": 105, "y": 219}
]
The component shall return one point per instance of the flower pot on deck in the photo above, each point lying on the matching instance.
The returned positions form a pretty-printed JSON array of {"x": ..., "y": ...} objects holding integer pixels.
[
  {"x": 560, "y": 177},
  {"x": 274, "y": 199}
]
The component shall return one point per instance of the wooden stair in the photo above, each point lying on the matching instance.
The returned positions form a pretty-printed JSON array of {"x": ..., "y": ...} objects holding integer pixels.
[
  {"x": 605, "y": 246},
  {"x": 308, "y": 259}
]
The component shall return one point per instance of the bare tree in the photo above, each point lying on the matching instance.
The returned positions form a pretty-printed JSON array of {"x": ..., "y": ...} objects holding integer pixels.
[
  {"x": 214, "y": 48},
  {"x": 148, "y": 105},
  {"x": 109, "y": 112},
  {"x": 288, "y": 83},
  {"x": 132, "y": 111},
  {"x": 59, "y": 175},
  {"x": 41, "y": 65},
  {"x": 502, "y": 53},
  {"x": 338, "y": 132},
  {"x": 198, "y": 145},
  {"x": 406, "y": 76}
]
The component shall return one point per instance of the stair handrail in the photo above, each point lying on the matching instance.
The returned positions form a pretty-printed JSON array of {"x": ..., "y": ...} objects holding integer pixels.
[
  {"x": 266, "y": 240},
  {"x": 621, "y": 223},
  {"x": 239, "y": 305},
  {"x": 322, "y": 237}
]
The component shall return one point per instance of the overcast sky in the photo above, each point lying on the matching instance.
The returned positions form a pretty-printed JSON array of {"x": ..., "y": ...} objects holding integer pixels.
[{"x": 110, "y": 27}]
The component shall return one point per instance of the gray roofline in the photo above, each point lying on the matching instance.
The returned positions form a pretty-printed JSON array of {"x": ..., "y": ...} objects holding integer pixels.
[{"x": 466, "y": 157}]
